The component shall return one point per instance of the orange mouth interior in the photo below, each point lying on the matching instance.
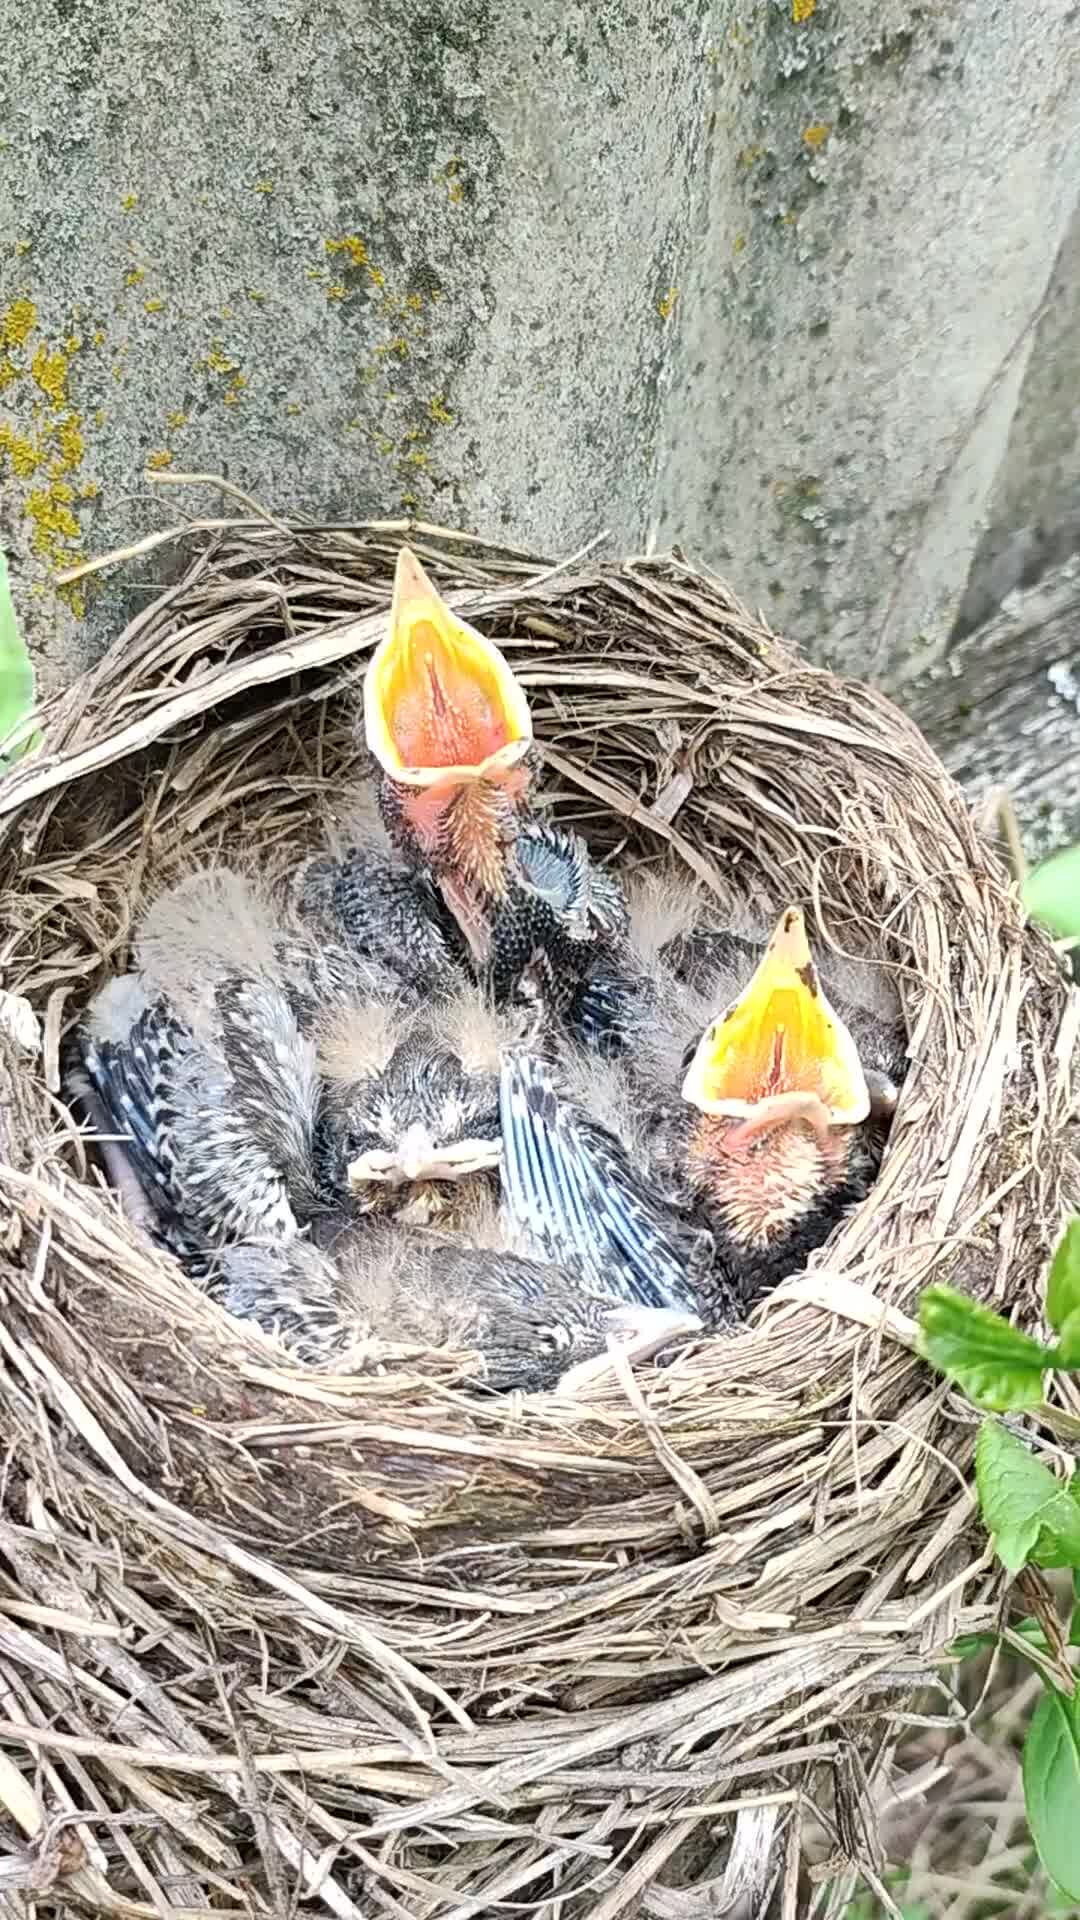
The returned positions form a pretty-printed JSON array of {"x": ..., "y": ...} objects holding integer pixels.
[
  {"x": 439, "y": 698},
  {"x": 780, "y": 1037}
]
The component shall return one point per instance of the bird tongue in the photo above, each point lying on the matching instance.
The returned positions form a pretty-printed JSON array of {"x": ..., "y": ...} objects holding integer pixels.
[
  {"x": 439, "y": 715},
  {"x": 439, "y": 699}
]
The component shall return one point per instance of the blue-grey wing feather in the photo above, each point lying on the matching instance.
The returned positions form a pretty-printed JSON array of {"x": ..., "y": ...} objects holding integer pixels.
[{"x": 571, "y": 1188}]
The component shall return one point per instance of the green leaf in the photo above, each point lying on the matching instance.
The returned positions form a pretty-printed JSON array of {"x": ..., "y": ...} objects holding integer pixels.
[
  {"x": 1030, "y": 1514},
  {"x": 16, "y": 671},
  {"x": 997, "y": 1366},
  {"x": 1063, "y": 1280},
  {"x": 1052, "y": 1787},
  {"x": 1067, "y": 1350},
  {"x": 1051, "y": 893},
  {"x": 1027, "y": 1629}
]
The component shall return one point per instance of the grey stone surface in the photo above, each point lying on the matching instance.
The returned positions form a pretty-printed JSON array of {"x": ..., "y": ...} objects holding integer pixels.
[
  {"x": 362, "y": 260},
  {"x": 760, "y": 275},
  {"x": 1003, "y": 708},
  {"x": 887, "y": 191},
  {"x": 1033, "y": 518}
]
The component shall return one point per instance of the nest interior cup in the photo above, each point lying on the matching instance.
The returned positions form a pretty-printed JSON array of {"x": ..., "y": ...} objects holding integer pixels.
[{"x": 412, "y": 1650}]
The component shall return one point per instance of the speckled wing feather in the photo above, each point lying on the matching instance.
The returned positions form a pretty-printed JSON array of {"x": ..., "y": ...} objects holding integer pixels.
[
  {"x": 388, "y": 919},
  {"x": 172, "y": 1101},
  {"x": 570, "y": 1187},
  {"x": 275, "y": 1080}
]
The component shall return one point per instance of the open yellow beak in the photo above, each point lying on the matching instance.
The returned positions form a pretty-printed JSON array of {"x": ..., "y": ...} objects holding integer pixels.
[
  {"x": 780, "y": 1042},
  {"x": 440, "y": 703}
]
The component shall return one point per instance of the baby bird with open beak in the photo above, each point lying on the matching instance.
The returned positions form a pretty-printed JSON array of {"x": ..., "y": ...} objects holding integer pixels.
[
  {"x": 448, "y": 725},
  {"x": 776, "y": 1133}
]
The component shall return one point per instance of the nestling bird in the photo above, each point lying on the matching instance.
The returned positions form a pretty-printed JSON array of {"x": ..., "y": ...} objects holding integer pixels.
[
  {"x": 448, "y": 725},
  {"x": 532, "y": 1324},
  {"x": 206, "y": 1060},
  {"x": 775, "y": 1134},
  {"x": 241, "y": 1135}
]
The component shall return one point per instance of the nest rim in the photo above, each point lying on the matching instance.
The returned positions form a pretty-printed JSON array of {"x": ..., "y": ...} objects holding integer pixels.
[{"x": 850, "y": 1532}]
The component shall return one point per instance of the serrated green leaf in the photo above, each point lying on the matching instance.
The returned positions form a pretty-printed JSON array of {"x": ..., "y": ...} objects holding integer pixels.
[
  {"x": 996, "y": 1365},
  {"x": 1063, "y": 1280},
  {"x": 1030, "y": 1514},
  {"x": 16, "y": 671},
  {"x": 1051, "y": 1770},
  {"x": 1051, "y": 893}
]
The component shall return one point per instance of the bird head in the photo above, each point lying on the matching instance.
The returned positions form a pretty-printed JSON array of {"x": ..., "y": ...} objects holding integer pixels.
[
  {"x": 423, "y": 1123},
  {"x": 778, "y": 1081},
  {"x": 445, "y": 720},
  {"x": 562, "y": 1338}
]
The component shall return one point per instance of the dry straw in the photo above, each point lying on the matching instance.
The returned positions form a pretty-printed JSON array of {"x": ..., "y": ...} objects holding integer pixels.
[{"x": 377, "y": 1641}]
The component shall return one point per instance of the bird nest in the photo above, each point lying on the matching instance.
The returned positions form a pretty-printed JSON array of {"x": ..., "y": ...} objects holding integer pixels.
[{"x": 381, "y": 1641}]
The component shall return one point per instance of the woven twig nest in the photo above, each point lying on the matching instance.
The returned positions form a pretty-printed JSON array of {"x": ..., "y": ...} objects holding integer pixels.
[{"x": 418, "y": 1651}]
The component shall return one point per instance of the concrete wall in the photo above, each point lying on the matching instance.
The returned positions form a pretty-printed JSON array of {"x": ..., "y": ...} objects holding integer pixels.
[{"x": 768, "y": 276}]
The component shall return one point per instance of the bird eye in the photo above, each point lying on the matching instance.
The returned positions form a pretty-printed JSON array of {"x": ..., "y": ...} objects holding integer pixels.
[{"x": 554, "y": 1339}]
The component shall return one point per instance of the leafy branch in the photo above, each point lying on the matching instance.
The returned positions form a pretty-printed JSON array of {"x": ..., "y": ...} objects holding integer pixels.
[{"x": 1034, "y": 1520}]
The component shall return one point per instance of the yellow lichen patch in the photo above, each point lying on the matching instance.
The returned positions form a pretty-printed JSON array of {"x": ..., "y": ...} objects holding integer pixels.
[
  {"x": 376, "y": 276},
  {"x": 129, "y": 202},
  {"x": 231, "y": 395},
  {"x": 256, "y": 294},
  {"x": 414, "y": 302},
  {"x": 18, "y": 323},
  {"x": 23, "y": 246},
  {"x": 153, "y": 306},
  {"x": 455, "y": 186},
  {"x": 666, "y": 307},
  {"x": 292, "y": 406},
  {"x": 352, "y": 245},
  {"x": 738, "y": 243},
  {"x": 174, "y": 421},
  {"x": 89, "y": 490},
  {"x": 8, "y": 371},
  {"x": 97, "y": 339},
  {"x": 802, "y": 10},
  {"x": 134, "y": 276},
  {"x": 22, "y": 455},
  {"x": 336, "y": 292},
  {"x": 50, "y": 372},
  {"x": 816, "y": 135},
  {"x": 70, "y": 446},
  {"x": 263, "y": 186},
  {"x": 159, "y": 459},
  {"x": 217, "y": 361},
  {"x": 55, "y": 526},
  {"x": 749, "y": 155},
  {"x": 440, "y": 412}
]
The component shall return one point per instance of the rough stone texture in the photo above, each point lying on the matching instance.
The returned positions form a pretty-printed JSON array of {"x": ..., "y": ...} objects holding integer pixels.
[
  {"x": 766, "y": 276},
  {"x": 362, "y": 260},
  {"x": 887, "y": 190},
  {"x": 1033, "y": 520},
  {"x": 1004, "y": 708}
]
